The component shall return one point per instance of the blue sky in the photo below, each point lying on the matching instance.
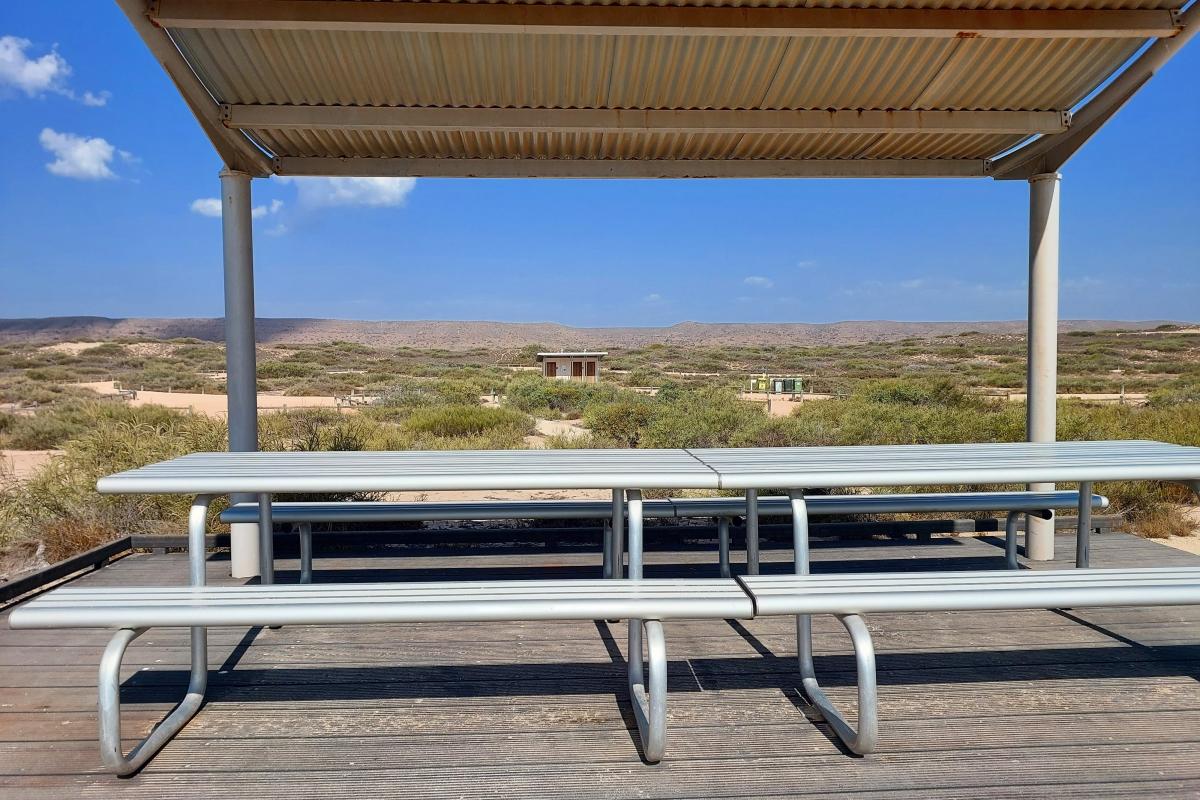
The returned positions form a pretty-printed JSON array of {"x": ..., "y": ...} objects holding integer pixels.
[{"x": 107, "y": 176}]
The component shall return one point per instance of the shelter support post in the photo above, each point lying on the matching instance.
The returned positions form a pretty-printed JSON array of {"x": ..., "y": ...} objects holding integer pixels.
[
  {"x": 240, "y": 370},
  {"x": 1042, "y": 374}
]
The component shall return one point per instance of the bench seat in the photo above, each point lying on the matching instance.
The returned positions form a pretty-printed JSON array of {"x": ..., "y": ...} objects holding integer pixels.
[
  {"x": 304, "y": 514},
  {"x": 971, "y": 591},
  {"x": 848, "y": 597},
  {"x": 133, "y": 610},
  {"x": 321, "y": 604}
]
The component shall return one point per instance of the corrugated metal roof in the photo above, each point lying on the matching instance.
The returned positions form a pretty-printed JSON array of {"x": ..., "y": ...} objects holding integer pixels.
[{"x": 671, "y": 72}]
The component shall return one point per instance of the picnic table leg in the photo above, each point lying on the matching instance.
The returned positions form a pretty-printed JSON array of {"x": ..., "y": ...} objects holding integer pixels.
[
  {"x": 649, "y": 697},
  {"x": 1083, "y": 534},
  {"x": 109, "y": 678},
  {"x": 306, "y": 557},
  {"x": 266, "y": 541},
  {"x": 607, "y": 564},
  {"x": 863, "y": 740},
  {"x": 1010, "y": 533},
  {"x": 634, "y": 498},
  {"x": 109, "y": 706},
  {"x": 618, "y": 532},
  {"x": 752, "y": 531},
  {"x": 723, "y": 545}
]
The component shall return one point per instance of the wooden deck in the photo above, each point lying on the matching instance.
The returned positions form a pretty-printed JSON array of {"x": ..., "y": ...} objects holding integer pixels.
[{"x": 1060, "y": 704}]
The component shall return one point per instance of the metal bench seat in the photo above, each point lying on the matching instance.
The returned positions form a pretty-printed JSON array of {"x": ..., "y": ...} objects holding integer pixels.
[
  {"x": 319, "y": 604},
  {"x": 132, "y": 611},
  {"x": 304, "y": 514},
  {"x": 849, "y": 597}
]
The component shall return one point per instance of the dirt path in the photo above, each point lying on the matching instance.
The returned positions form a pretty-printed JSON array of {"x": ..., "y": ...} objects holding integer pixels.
[
  {"x": 213, "y": 405},
  {"x": 21, "y": 464}
]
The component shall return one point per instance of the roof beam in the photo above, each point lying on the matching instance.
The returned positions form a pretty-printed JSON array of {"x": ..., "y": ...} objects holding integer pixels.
[
  {"x": 337, "y": 15},
  {"x": 539, "y": 120},
  {"x": 237, "y": 151},
  {"x": 646, "y": 168},
  {"x": 1049, "y": 153}
]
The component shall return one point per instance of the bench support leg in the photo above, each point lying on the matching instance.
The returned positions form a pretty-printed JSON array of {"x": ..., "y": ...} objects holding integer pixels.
[
  {"x": 1083, "y": 535},
  {"x": 648, "y": 686},
  {"x": 1010, "y": 533},
  {"x": 306, "y": 553},
  {"x": 1010, "y": 540},
  {"x": 751, "y": 531},
  {"x": 723, "y": 545},
  {"x": 866, "y": 738},
  {"x": 109, "y": 706}
]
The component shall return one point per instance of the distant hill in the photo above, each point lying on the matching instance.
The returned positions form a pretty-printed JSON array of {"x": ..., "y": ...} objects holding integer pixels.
[{"x": 494, "y": 335}]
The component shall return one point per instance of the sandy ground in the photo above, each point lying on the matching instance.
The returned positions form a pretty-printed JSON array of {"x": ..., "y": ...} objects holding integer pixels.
[
  {"x": 782, "y": 405},
  {"x": 20, "y": 464},
  {"x": 212, "y": 405},
  {"x": 554, "y": 427}
]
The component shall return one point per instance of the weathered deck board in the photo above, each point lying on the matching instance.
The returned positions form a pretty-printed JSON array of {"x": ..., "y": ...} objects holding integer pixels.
[{"x": 1081, "y": 703}]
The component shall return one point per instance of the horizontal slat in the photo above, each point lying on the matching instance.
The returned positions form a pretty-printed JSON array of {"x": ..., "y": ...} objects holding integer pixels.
[
  {"x": 416, "y": 602},
  {"x": 521, "y": 18},
  {"x": 965, "y": 591},
  {"x": 630, "y": 168},
  {"x": 587, "y": 120}
]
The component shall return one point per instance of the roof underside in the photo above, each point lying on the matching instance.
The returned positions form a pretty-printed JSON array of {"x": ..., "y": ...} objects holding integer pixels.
[{"x": 694, "y": 88}]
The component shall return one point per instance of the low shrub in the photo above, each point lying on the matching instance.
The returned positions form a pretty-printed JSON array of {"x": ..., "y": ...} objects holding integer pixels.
[{"x": 464, "y": 420}]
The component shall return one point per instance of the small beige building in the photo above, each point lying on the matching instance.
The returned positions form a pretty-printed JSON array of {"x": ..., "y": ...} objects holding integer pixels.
[{"x": 571, "y": 366}]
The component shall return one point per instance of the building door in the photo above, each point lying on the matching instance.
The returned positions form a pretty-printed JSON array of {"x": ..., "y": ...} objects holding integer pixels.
[
  {"x": 591, "y": 370},
  {"x": 550, "y": 370},
  {"x": 577, "y": 370}
]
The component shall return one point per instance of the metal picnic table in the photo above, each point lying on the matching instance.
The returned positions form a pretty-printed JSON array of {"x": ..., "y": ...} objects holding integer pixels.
[{"x": 627, "y": 472}]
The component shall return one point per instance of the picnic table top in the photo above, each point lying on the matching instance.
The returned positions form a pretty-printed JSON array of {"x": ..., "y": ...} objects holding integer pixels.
[{"x": 709, "y": 468}]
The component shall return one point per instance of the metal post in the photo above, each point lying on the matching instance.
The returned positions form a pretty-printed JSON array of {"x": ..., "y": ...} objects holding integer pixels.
[
  {"x": 751, "y": 531},
  {"x": 1042, "y": 375},
  {"x": 618, "y": 533},
  {"x": 723, "y": 545},
  {"x": 1083, "y": 533},
  {"x": 634, "y": 499},
  {"x": 241, "y": 381},
  {"x": 266, "y": 541}
]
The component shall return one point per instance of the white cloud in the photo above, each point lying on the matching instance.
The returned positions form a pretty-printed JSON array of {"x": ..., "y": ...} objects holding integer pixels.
[
  {"x": 652, "y": 298},
  {"x": 35, "y": 76},
  {"x": 372, "y": 192},
  {"x": 95, "y": 99},
  {"x": 207, "y": 207},
  {"x": 211, "y": 207},
  {"x": 759, "y": 282},
  {"x": 80, "y": 157},
  {"x": 807, "y": 264}
]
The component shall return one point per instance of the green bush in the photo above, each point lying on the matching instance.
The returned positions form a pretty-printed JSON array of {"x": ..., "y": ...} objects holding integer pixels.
[
  {"x": 424, "y": 393},
  {"x": 621, "y": 421},
  {"x": 463, "y": 420},
  {"x": 699, "y": 418},
  {"x": 932, "y": 391},
  {"x": 540, "y": 396}
]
